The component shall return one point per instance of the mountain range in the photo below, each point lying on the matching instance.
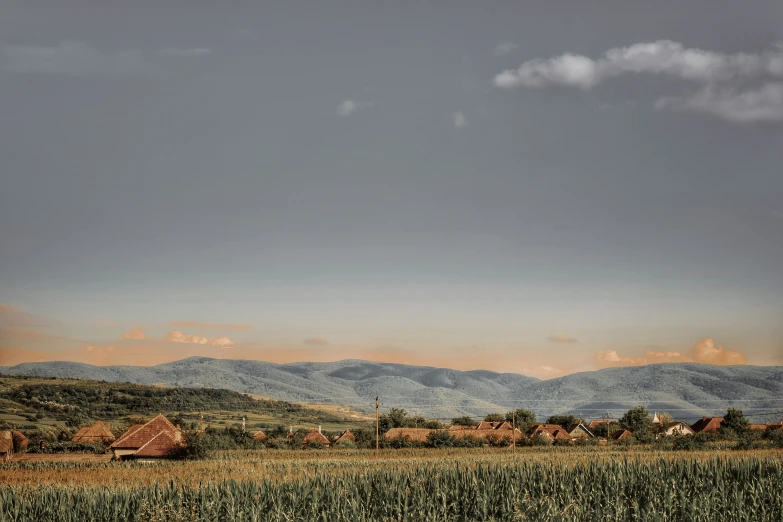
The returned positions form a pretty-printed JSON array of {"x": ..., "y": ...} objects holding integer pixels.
[{"x": 687, "y": 391}]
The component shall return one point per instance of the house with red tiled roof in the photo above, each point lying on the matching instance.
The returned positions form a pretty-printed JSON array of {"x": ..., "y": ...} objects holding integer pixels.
[
  {"x": 98, "y": 432},
  {"x": 621, "y": 435},
  {"x": 678, "y": 428},
  {"x": 707, "y": 425},
  {"x": 155, "y": 439}
]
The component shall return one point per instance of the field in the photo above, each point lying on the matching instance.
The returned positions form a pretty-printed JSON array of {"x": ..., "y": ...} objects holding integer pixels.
[{"x": 567, "y": 484}]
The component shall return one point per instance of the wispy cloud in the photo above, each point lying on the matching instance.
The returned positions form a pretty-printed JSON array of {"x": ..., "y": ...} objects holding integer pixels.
[
  {"x": 505, "y": 48},
  {"x": 348, "y": 107},
  {"x": 198, "y": 51},
  {"x": 135, "y": 334},
  {"x": 315, "y": 341},
  {"x": 739, "y": 87},
  {"x": 72, "y": 58},
  {"x": 763, "y": 104},
  {"x": 210, "y": 326},
  {"x": 459, "y": 120},
  {"x": 561, "y": 339}
]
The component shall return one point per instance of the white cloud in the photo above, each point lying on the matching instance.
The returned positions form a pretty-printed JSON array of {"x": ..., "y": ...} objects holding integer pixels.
[
  {"x": 459, "y": 120},
  {"x": 763, "y": 104},
  {"x": 660, "y": 57},
  {"x": 176, "y": 336},
  {"x": 739, "y": 87},
  {"x": 505, "y": 48},
  {"x": 705, "y": 351}
]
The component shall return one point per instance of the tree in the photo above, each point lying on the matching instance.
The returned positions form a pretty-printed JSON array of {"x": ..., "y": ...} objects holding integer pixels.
[
  {"x": 462, "y": 421},
  {"x": 638, "y": 421},
  {"x": 440, "y": 439},
  {"x": 561, "y": 420},
  {"x": 495, "y": 417},
  {"x": 734, "y": 423},
  {"x": 523, "y": 418}
]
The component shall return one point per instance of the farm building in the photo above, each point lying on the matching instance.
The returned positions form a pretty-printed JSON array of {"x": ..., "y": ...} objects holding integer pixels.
[
  {"x": 678, "y": 428},
  {"x": 486, "y": 430},
  {"x": 412, "y": 434},
  {"x": 98, "y": 432},
  {"x": 153, "y": 440},
  {"x": 549, "y": 431},
  {"x": 621, "y": 435},
  {"x": 260, "y": 436},
  {"x": 580, "y": 431},
  {"x": 315, "y": 435},
  {"x": 346, "y": 436},
  {"x": 757, "y": 427},
  {"x": 707, "y": 425},
  {"x": 6, "y": 445}
]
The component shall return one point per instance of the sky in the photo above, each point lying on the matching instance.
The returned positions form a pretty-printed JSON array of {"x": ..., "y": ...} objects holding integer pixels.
[{"x": 540, "y": 188}]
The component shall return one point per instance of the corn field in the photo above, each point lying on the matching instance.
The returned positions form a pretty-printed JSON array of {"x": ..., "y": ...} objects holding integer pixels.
[{"x": 744, "y": 487}]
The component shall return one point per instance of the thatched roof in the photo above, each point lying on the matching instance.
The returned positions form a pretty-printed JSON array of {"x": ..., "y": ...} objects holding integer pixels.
[
  {"x": 259, "y": 435},
  {"x": 345, "y": 436},
  {"x": 316, "y": 436},
  {"x": 98, "y": 432},
  {"x": 412, "y": 434},
  {"x": 6, "y": 442}
]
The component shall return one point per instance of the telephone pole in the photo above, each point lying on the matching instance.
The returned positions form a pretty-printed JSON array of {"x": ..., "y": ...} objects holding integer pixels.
[
  {"x": 608, "y": 425},
  {"x": 377, "y": 429},
  {"x": 513, "y": 433}
]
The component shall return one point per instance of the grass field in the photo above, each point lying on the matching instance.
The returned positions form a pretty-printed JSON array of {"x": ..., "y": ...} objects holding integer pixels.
[{"x": 535, "y": 484}]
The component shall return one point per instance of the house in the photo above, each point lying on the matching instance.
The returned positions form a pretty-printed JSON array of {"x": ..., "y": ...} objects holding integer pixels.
[
  {"x": 153, "y": 440},
  {"x": 707, "y": 425},
  {"x": 10, "y": 441},
  {"x": 757, "y": 427},
  {"x": 315, "y": 435},
  {"x": 550, "y": 432},
  {"x": 580, "y": 431},
  {"x": 98, "y": 432},
  {"x": 771, "y": 426},
  {"x": 595, "y": 424},
  {"x": 621, "y": 435},
  {"x": 489, "y": 425},
  {"x": 346, "y": 436},
  {"x": 412, "y": 434},
  {"x": 260, "y": 436},
  {"x": 678, "y": 428}
]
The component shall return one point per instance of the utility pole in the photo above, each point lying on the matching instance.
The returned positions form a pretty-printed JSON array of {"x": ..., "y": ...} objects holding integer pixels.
[
  {"x": 513, "y": 433},
  {"x": 201, "y": 422},
  {"x": 377, "y": 429},
  {"x": 608, "y": 427}
]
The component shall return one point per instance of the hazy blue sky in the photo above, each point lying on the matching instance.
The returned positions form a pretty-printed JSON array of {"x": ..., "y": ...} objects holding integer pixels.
[{"x": 530, "y": 186}]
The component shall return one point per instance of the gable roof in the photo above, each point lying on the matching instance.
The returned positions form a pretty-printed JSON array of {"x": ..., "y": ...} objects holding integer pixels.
[
  {"x": 138, "y": 436},
  {"x": 578, "y": 429},
  {"x": 316, "y": 436},
  {"x": 259, "y": 435},
  {"x": 707, "y": 424},
  {"x": 621, "y": 435},
  {"x": 160, "y": 445},
  {"x": 346, "y": 436},
  {"x": 596, "y": 423},
  {"x": 98, "y": 432}
]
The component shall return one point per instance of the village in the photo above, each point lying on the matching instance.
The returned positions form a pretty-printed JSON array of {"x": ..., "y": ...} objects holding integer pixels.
[{"x": 159, "y": 438}]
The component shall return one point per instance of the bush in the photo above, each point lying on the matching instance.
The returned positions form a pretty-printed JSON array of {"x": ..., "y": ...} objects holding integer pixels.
[
  {"x": 469, "y": 442},
  {"x": 69, "y": 447},
  {"x": 440, "y": 439},
  {"x": 315, "y": 445}
]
